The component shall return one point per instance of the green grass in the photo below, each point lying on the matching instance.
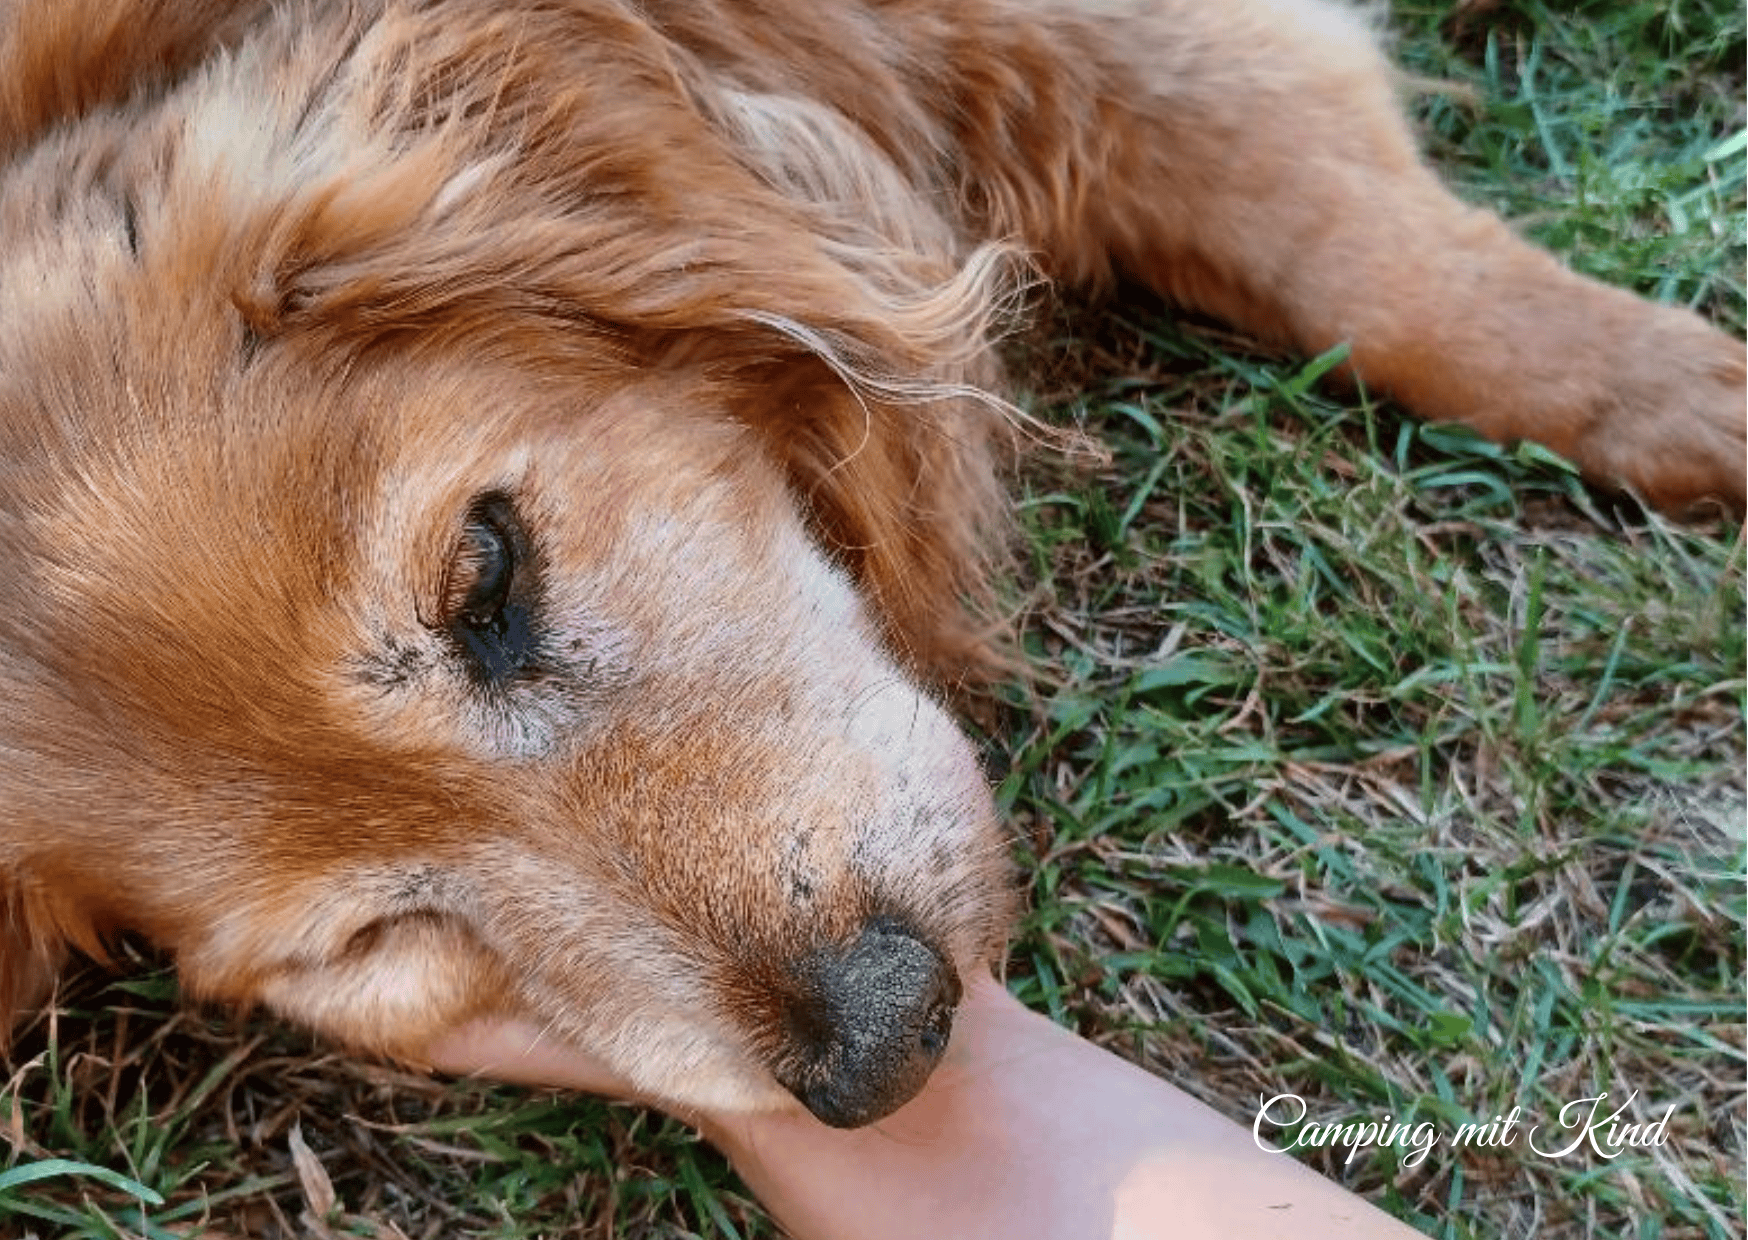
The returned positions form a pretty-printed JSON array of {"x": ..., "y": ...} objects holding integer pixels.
[{"x": 1369, "y": 762}]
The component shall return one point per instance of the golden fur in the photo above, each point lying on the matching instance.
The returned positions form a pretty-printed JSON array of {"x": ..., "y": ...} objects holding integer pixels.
[{"x": 700, "y": 294}]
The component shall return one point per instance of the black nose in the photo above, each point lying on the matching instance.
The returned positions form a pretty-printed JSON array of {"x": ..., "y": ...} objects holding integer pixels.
[{"x": 867, "y": 1024}]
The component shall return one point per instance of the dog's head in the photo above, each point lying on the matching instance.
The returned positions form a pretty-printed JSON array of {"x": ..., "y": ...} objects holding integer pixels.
[{"x": 478, "y": 547}]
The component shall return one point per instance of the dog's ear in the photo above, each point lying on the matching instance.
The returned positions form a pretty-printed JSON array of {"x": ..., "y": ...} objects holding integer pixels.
[{"x": 436, "y": 190}]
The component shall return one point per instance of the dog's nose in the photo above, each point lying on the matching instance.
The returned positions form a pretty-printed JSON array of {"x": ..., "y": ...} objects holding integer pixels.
[{"x": 868, "y": 1024}]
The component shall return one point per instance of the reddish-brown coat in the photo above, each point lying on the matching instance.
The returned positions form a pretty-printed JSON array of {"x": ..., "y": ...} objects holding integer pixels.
[{"x": 709, "y": 288}]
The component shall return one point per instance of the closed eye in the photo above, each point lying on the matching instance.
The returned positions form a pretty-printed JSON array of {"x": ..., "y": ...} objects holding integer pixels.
[{"x": 487, "y": 591}]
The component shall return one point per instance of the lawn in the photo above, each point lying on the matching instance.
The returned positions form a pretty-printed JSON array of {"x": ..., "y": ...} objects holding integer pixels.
[{"x": 1364, "y": 762}]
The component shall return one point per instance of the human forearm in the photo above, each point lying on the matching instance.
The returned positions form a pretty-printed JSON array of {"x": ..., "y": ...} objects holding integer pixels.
[
  {"x": 1029, "y": 1131},
  {"x": 1024, "y": 1131}
]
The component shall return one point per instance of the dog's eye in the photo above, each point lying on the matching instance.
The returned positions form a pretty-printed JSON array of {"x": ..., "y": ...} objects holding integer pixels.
[
  {"x": 483, "y": 608},
  {"x": 485, "y": 565}
]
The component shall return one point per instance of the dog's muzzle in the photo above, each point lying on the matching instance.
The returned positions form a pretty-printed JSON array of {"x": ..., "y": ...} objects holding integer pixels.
[{"x": 868, "y": 1024}]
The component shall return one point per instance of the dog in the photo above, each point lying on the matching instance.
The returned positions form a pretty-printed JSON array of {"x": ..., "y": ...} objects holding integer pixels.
[{"x": 494, "y": 490}]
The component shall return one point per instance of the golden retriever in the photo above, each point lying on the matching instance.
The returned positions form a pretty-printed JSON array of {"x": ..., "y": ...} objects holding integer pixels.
[{"x": 493, "y": 486}]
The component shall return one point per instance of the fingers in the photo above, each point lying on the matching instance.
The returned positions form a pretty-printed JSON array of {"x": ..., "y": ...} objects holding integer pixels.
[{"x": 521, "y": 1052}]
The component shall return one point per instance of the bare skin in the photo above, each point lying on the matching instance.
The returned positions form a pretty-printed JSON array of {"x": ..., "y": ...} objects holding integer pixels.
[{"x": 1025, "y": 1130}]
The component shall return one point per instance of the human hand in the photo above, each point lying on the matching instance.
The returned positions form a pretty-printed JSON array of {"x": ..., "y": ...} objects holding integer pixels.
[{"x": 520, "y": 1052}]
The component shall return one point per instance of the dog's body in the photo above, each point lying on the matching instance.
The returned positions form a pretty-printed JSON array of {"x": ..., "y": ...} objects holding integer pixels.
[{"x": 487, "y": 485}]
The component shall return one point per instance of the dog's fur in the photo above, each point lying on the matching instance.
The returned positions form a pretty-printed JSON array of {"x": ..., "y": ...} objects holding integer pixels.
[{"x": 696, "y": 296}]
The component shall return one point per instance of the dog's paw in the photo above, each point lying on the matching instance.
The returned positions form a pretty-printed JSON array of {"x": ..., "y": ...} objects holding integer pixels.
[{"x": 1673, "y": 422}]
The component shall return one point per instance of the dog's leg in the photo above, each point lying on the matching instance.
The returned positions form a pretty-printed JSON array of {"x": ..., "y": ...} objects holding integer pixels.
[{"x": 1249, "y": 158}]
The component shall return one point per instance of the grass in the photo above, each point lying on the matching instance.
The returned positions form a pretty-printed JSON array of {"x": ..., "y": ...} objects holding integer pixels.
[{"x": 1372, "y": 764}]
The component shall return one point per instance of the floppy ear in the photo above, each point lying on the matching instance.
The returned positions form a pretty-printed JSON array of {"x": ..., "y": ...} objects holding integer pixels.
[
  {"x": 31, "y": 952},
  {"x": 436, "y": 190}
]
